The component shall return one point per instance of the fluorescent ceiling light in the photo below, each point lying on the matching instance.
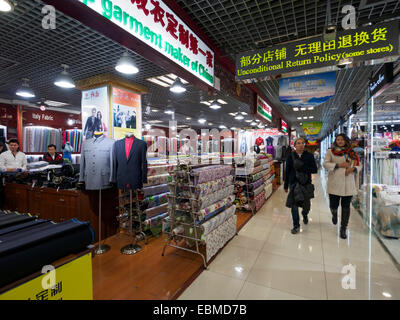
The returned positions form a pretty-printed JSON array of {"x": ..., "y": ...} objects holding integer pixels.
[
  {"x": 222, "y": 126},
  {"x": 305, "y": 117},
  {"x": 232, "y": 114},
  {"x": 248, "y": 121},
  {"x": 160, "y": 83},
  {"x": 310, "y": 108},
  {"x": 188, "y": 118},
  {"x": 390, "y": 101},
  {"x": 126, "y": 65},
  {"x": 210, "y": 124},
  {"x": 169, "y": 112},
  {"x": 239, "y": 117},
  {"x": 311, "y": 117},
  {"x": 222, "y": 101},
  {"x": 155, "y": 121},
  {"x": 295, "y": 109},
  {"x": 166, "y": 79},
  {"x": 55, "y": 103},
  {"x": 244, "y": 113},
  {"x": 6, "y": 6},
  {"x": 253, "y": 123},
  {"x": 202, "y": 120},
  {"x": 154, "y": 110},
  {"x": 206, "y": 102},
  {"x": 178, "y": 86},
  {"x": 64, "y": 80},
  {"x": 298, "y": 118},
  {"x": 303, "y": 109}
]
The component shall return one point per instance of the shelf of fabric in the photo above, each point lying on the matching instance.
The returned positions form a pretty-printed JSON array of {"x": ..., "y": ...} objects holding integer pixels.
[
  {"x": 74, "y": 137},
  {"x": 36, "y": 139}
]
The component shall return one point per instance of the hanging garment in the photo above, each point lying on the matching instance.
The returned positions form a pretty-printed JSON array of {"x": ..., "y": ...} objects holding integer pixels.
[
  {"x": 96, "y": 163},
  {"x": 243, "y": 145},
  {"x": 259, "y": 141},
  {"x": 131, "y": 172},
  {"x": 269, "y": 141}
]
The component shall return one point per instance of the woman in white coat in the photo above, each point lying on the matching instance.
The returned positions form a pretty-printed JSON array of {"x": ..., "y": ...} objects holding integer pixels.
[{"x": 343, "y": 165}]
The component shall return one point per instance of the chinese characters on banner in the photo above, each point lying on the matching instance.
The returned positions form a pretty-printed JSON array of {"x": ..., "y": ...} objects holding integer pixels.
[
  {"x": 127, "y": 113},
  {"x": 367, "y": 43},
  {"x": 263, "y": 109},
  {"x": 154, "y": 23},
  {"x": 95, "y": 112},
  {"x": 307, "y": 91}
]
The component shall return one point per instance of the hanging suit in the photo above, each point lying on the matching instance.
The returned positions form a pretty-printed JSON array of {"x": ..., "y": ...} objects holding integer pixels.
[{"x": 130, "y": 173}]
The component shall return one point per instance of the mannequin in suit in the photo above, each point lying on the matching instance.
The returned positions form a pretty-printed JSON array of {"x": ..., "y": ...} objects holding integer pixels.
[{"x": 130, "y": 163}]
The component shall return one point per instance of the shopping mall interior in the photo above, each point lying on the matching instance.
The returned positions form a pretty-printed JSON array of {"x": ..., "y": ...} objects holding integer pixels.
[{"x": 157, "y": 150}]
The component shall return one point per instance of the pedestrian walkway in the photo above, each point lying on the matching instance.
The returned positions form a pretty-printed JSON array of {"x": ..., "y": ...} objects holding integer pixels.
[{"x": 265, "y": 261}]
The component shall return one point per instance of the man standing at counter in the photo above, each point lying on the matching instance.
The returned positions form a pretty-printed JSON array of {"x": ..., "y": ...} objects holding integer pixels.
[{"x": 13, "y": 159}]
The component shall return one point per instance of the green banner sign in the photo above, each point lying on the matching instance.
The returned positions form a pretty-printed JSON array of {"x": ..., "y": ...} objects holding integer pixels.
[{"x": 367, "y": 43}]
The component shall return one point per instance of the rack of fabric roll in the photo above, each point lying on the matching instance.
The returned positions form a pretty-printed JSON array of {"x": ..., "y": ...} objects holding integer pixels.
[
  {"x": 36, "y": 139},
  {"x": 74, "y": 136},
  {"x": 250, "y": 182},
  {"x": 269, "y": 177},
  {"x": 150, "y": 205},
  {"x": 201, "y": 209}
]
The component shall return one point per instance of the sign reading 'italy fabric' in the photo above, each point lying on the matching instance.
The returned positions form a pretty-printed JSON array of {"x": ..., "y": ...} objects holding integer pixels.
[
  {"x": 307, "y": 91},
  {"x": 366, "y": 43},
  {"x": 263, "y": 109},
  {"x": 154, "y": 23}
]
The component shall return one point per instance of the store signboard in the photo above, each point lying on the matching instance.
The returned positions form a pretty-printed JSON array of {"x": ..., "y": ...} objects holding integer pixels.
[
  {"x": 127, "y": 113},
  {"x": 154, "y": 23},
  {"x": 383, "y": 77},
  {"x": 284, "y": 126},
  {"x": 264, "y": 109},
  {"x": 362, "y": 44},
  {"x": 307, "y": 91},
  {"x": 73, "y": 281},
  {"x": 312, "y": 142},
  {"x": 95, "y": 112},
  {"x": 50, "y": 118},
  {"x": 312, "y": 129}
]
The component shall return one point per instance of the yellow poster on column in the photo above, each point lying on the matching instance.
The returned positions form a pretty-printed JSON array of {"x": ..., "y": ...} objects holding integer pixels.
[
  {"x": 73, "y": 281},
  {"x": 127, "y": 113}
]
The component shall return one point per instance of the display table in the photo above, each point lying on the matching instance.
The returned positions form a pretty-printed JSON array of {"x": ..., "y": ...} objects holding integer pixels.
[{"x": 62, "y": 205}]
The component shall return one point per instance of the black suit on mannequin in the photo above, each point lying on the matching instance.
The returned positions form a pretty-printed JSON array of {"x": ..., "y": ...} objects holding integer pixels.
[{"x": 131, "y": 173}]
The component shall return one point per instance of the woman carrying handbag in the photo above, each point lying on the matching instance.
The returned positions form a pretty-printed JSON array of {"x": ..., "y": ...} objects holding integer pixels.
[{"x": 343, "y": 164}]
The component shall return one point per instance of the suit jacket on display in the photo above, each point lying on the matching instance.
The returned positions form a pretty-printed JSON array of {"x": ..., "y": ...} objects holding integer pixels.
[
  {"x": 130, "y": 173},
  {"x": 96, "y": 163}
]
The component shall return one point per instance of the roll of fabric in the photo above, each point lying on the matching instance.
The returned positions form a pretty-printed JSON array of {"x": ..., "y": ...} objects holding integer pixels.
[
  {"x": 215, "y": 222},
  {"x": 216, "y": 196},
  {"x": 210, "y": 209},
  {"x": 156, "y": 200},
  {"x": 246, "y": 171},
  {"x": 155, "y": 190},
  {"x": 156, "y": 220},
  {"x": 156, "y": 211},
  {"x": 159, "y": 170},
  {"x": 207, "y": 188},
  {"x": 209, "y": 173},
  {"x": 155, "y": 180}
]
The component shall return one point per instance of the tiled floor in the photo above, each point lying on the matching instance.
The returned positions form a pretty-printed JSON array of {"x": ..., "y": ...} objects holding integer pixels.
[{"x": 265, "y": 261}]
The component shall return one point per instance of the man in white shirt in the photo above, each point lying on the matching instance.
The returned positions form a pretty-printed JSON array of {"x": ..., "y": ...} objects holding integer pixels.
[{"x": 13, "y": 160}]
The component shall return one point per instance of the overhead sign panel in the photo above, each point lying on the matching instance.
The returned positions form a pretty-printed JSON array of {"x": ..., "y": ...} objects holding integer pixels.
[
  {"x": 154, "y": 23},
  {"x": 367, "y": 43},
  {"x": 264, "y": 109},
  {"x": 307, "y": 91}
]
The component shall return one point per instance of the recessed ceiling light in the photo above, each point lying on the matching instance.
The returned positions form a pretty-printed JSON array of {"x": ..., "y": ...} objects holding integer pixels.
[
  {"x": 6, "y": 6},
  {"x": 233, "y": 128},
  {"x": 166, "y": 79},
  {"x": 188, "y": 118},
  {"x": 303, "y": 109},
  {"x": 206, "y": 102},
  {"x": 232, "y": 114},
  {"x": 155, "y": 121},
  {"x": 298, "y": 118},
  {"x": 154, "y": 110},
  {"x": 305, "y": 117},
  {"x": 239, "y": 117},
  {"x": 147, "y": 126},
  {"x": 257, "y": 120},
  {"x": 310, "y": 108},
  {"x": 215, "y": 105},
  {"x": 55, "y": 103},
  {"x": 253, "y": 123},
  {"x": 222, "y": 126},
  {"x": 244, "y": 113},
  {"x": 210, "y": 124},
  {"x": 248, "y": 120},
  {"x": 202, "y": 120},
  {"x": 169, "y": 111},
  {"x": 222, "y": 101},
  {"x": 311, "y": 117},
  {"x": 295, "y": 109},
  {"x": 178, "y": 86},
  {"x": 25, "y": 91},
  {"x": 390, "y": 101},
  {"x": 64, "y": 80}
]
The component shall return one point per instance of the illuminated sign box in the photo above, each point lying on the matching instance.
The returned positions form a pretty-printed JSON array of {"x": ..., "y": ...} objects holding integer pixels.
[{"x": 367, "y": 43}]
